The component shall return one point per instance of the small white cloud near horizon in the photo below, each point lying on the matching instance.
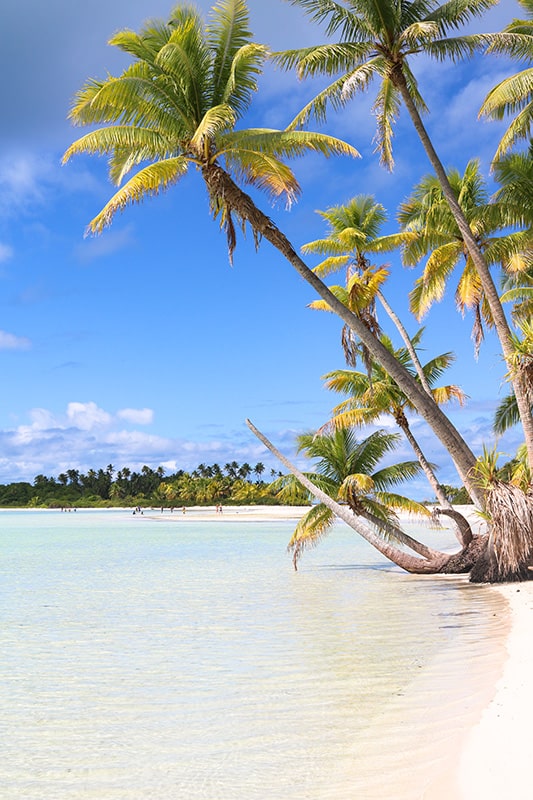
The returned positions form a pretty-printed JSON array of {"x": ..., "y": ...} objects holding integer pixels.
[
  {"x": 137, "y": 416},
  {"x": 9, "y": 341}
]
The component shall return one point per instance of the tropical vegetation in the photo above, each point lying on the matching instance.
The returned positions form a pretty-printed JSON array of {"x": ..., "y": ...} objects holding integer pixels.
[
  {"x": 178, "y": 104},
  {"x": 209, "y": 484}
]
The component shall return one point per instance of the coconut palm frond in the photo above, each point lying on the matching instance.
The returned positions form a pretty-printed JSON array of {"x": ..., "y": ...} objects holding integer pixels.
[
  {"x": 310, "y": 531},
  {"x": 149, "y": 181},
  {"x": 506, "y": 415},
  {"x": 445, "y": 394},
  {"x": 331, "y": 264}
]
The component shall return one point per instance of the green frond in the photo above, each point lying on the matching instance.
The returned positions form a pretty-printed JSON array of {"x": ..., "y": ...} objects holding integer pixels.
[
  {"x": 142, "y": 46},
  {"x": 140, "y": 143},
  {"x": 324, "y": 247},
  {"x": 398, "y": 502},
  {"x": 458, "y": 48},
  {"x": 288, "y": 143},
  {"x": 509, "y": 95},
  {"x": 456, "y": 13},
  {"x": 396, "y": 474},
  {"x": 386, "y": 108},
  {"x": 334, "y": 94},
  {"x": 132, "y": 99},
  {"x": 149, "y": 181},
  {"x": 310, "y": 530},
  {"x": 329, "y": 265},
  {"x": 506, "y": 415},
  {"x": 216, "y": 121},
  {"x": 228, "y": 33},
  {"x": 265, "y": 172},
  {"x": 516, "y": 44},
  {"x": 242, "y": 82},
  {"x": 354, "y": 485},
  {"x": 326, "y": 59}
]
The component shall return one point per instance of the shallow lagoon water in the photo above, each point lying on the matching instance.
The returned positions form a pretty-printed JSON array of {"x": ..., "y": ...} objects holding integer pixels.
[{"x": 181, "y": 658}]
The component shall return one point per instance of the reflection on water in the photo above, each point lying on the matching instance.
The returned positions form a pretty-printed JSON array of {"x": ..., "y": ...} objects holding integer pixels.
[{"x": 181, "y": 659}]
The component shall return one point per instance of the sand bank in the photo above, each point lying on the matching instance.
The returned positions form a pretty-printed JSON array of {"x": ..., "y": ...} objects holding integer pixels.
[
  {"x": 498, "y": 752},
  {"x": 249, "y": 513}
]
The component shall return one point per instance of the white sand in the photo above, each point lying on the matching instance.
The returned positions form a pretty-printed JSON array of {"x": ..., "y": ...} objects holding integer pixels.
[
  {"x": 251, "y": 513},
  {"x": 497, "y": 756}
]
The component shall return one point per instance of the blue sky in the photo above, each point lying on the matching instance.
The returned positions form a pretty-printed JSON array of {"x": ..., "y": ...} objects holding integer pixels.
[{"x": 143, "y": 346}]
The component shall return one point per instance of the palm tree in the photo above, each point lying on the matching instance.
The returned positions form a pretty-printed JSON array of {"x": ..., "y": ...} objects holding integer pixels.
[
  {"x": 514, "y": 95},
  {"x": 429, "y": 227},
  {"x": 378, "y": 39},
  {"x": 177, "y": 105},
  {"x": 371, "y": 396},
  {"x": 514, "y": 174},
  {"x": 348, "y": 471},
  {"x": 507, "y": 412},
  {"x": 354, "y": 232}
]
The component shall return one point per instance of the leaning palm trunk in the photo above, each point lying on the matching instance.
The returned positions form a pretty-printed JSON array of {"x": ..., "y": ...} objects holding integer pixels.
[
  {"x": 221, "y": 186},
  {"x": 430, "y": 475},
  {"x": 431, "y": 562},
  {"x": 491, "y": 293},
  {"x": 406, "y": 340}
]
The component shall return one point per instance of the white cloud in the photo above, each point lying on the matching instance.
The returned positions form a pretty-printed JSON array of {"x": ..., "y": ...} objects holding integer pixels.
[
  {"x": 88, "y": 437},
  {"x": 87, "y": 416},
  {"x": 137, "y": 416},
  {"x": 8, "y": 341}
]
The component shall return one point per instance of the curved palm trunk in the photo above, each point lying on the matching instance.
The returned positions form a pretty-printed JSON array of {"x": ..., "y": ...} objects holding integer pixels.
[
  {"x": 462, "y": 523},
  {"x": 419, "y": 566},
  {"x": 489, "y": 288},
  {"x": 221, "y": 185},
  {"x": 400, "y": 536},
  {"x": 406, "y": 340}
]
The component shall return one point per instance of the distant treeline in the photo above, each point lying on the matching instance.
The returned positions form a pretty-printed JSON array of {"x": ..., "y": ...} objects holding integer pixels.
[{"x": 234, "y": 484}]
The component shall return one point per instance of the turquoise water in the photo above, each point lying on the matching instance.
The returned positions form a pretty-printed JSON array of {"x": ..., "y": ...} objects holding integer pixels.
[{"x": 176, "y": 658}]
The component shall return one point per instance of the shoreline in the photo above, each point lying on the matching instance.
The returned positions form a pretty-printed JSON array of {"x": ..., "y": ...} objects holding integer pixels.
[{"x": 497, "y": 753}]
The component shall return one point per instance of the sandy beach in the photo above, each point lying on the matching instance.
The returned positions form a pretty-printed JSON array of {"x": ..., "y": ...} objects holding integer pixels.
[{"x": 498, "y": 751}]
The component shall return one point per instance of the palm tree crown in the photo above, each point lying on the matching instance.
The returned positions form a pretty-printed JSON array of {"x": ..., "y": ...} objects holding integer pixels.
[
  {"x": 178, "y": 103},
  {"x": 377, "y": 40},
  {"x": 348, "y": 470},
  {"x": 514, "y": 95}
]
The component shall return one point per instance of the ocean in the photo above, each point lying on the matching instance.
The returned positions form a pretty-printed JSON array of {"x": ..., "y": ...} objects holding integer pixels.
[{"x": 162, "y": 656}]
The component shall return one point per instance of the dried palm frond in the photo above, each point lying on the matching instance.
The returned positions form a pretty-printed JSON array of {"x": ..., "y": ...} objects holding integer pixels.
[{"x": 511, "y": 512}]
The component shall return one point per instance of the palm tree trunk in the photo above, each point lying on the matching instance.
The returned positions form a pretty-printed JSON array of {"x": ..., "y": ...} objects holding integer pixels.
[
  {"x": 418, "y": 566},
  {"x": 489, "y": 288},
  {"x": 428, "y": 471},
  {"x": 220, "y": 185},
  {"x": 406, "y": 340}
]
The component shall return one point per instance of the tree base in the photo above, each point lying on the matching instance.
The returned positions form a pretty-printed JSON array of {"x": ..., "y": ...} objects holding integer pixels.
[
  {"x": 486, "y": 570},
  {"x": 463, "y": 562}
]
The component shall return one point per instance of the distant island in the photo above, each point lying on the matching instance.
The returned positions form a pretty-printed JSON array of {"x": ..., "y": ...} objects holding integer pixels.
[{"x": 233, "y": 484}]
